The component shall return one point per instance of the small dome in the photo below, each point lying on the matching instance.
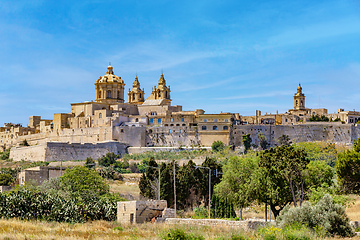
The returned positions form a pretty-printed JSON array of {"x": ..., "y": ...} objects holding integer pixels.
[{"x": 110, "y": 77}]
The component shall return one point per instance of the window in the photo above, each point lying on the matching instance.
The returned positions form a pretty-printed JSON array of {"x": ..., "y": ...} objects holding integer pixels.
[
  {"x": 136, "y": 120},
  {"x": 159, "y": 120},
  {"x": 215, "y": 128},
  {"x": 169, "y": 130},
  {"x": 216, "y": 120},
  {"x": 286, "y": 120},
  {"x": 118, "y": 94},
  {"x": 109, "y": 94},
  {"x": 203, "y": 128},
  {"x": 205, "y": 120},
  {"x": 171, "y": 120},
  {"x": 297, "y": 103},
  {"x": 183, "y": 119},
  {"x": 302, "y": 103},
  {"x": 140, "y": 95},
  {"x": 225, "y": 128},
  {"x": 226, "y": 120},
  {"x": 99, "y": 94},
  {"x": 151, "y": 120},
  {"x": 100, "y": 115},
  {"x": 181, "y": 131},
  {"x": 122, "y": 130}
]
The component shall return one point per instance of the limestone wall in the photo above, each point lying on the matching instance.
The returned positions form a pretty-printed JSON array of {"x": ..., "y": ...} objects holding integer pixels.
[
  {"x": 171, "y": 136},
  {"x": 132, "y": 135},
  {"x": 246, "y": 225},
  {"x": 139, "y": 211},
  {"x": 30, "y": 153},
  {"x": 326, "y": 132},
  {"x": 57, "y": 151}
]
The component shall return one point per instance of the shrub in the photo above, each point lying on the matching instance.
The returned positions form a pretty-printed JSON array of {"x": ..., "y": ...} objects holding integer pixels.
[
  {"x": 179, "y": 234},
  {"x": 217, "y": 146},
  {"x": 332, "y": 217},
  {"x": 201, "y": 212},
  {"x": 28, "y": 204},
  {"x": 6, "y": 179}
]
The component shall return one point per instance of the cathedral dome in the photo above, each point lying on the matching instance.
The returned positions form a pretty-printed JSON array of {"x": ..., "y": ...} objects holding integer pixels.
[{"x": 110, "y": 77}]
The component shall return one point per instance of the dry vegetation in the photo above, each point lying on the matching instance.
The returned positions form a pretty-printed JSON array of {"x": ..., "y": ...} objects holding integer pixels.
[
  {"x": 353, "y": 211},
  {"x": 15, "y": 229}
]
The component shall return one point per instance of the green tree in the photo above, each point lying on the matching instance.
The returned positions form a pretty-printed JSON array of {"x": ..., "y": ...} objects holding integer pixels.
[
  {"x": 217, "y": 146},
  {"x": 237, "y": 180},
  {"x": 347, "y": 169},
  {"x": 290, "y": 164},
  {"x": 283, "y": 140},
  {"x": 6, "y": 179},
  {"x": 89, "y": 162},
  {"x": 247, "y": 142},
  {"x": 83, "y": 183},
  {"x": 317, "y": 118},
  {"x": 108, "y": 160},
  {"x": 318, "y": 173},
  {"x": 262, "y": 141}
]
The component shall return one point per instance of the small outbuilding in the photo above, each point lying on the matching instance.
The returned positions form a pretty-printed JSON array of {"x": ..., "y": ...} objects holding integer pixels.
[{"x": 143, "y": 211}]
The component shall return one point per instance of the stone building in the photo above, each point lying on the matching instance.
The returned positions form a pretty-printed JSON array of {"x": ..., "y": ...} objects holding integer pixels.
[{"x": 148, "y": 122}]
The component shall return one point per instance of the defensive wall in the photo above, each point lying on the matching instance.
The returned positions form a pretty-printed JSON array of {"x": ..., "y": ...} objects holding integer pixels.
[
  {"x": 57, "y": 151},
  {"x": 326, "y": 132}
]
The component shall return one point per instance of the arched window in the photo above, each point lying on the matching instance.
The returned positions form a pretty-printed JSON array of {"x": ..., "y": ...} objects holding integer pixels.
[
  {"x": 99, "y": 94},
  {"x": 215, "y": 127},
  {"x": 166, "y": 95},
  {"x": 302, "y": 103},
  {"x": 118, "y": 95},
  {"x": 159, "y": 120},
  {"x": 133, "y": 97},
  {"x": 136, "y": 120},
  {"x": 109, "y": 94},
  {"x": 225, "y": 128},
  {"x": 140, "y": 95},
  {"x": 151, "y": 120},
  {"x": 100, "y": 115},
  {"x": 297, "y": 103}
]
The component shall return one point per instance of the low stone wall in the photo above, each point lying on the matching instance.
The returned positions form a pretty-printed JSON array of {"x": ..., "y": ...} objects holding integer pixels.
[
  {"x": 57, "y": 151},
  {"x": 246, "y": 224}
]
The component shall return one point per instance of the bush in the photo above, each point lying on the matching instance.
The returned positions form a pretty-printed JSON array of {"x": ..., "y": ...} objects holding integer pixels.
[
  {"x": 179, "y": 234},
  {"x": 83, "y": 183},
  {"x": 201, "y": 212},
  {"x": 108, "y": 160},
  {"x": 325, "y": 214},
  {"x": 6, "y": 179},
  {"x": 27, "y": 204},
  {"x": 217, "y": 146}
]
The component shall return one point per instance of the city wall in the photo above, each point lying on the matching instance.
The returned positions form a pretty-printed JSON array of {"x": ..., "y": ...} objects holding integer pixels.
[
  {"x": 326, "y": 132},
  {"x": 57, "y": 151}
]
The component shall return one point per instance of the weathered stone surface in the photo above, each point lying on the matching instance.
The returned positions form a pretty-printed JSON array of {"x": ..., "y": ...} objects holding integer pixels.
[{"x": 57, "y": 151}]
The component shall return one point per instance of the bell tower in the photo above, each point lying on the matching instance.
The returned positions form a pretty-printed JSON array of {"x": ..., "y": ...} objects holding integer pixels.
[
  {"x": 299, "y": 99},
  {"x": 161, "y": 91},
  {"x": 109, "y": 88},
  {"x": 136, "y": 95}
]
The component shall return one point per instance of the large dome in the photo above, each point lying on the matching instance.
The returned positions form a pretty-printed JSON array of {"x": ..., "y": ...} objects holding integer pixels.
[{"x": 110, "y": 77}]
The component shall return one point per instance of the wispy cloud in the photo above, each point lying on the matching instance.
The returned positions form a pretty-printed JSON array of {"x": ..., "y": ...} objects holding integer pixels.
[
  {"x": 257, "y": 95},
  {"x": 314, "y": 32}
]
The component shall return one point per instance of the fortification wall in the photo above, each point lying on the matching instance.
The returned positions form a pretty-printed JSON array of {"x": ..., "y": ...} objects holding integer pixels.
[
  {"x": 30, "y": 153},
  {"x": 171, "y": 136},
  {"x": 57, "y": 151},
  {"x": 326, "y": 132},
  {"x": 131, "y": 135}
]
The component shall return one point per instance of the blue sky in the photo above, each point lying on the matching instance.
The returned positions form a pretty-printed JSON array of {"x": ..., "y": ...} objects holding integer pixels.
[{"x": 230, "y": 56}]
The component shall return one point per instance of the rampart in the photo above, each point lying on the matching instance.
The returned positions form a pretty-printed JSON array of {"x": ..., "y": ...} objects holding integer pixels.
[
  {"x": 326, "y": 132},
  {"x": 57, "y": 151}
]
